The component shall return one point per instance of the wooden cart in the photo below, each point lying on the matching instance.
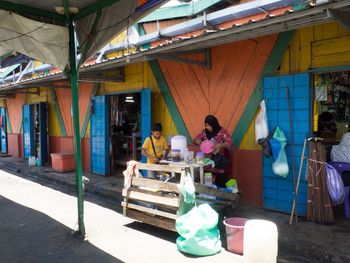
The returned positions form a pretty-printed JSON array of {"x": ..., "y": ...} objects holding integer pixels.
[{"x": 157, "y": 203}]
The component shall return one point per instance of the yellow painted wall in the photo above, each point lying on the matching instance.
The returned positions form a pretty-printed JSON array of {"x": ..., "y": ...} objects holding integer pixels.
[
  {"x": 248, "y": 141},
  {"x": 326, "y": 45},
  {"x": 54, "y": 127},
  {"x": 139, "y": 76}
]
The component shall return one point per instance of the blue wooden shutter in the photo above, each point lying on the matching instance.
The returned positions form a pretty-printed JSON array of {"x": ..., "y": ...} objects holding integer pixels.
[
  {"x": 278, "y": 191},
  {"x": 28, "y": 130},
  {"x": 100, "y": 159},
  {"x": 145, "y": 115},
  {"x": 3, "y": 132},
  {"x": 44, "y": 145}
]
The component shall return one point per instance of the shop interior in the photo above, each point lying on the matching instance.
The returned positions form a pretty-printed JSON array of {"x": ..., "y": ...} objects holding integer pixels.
[
  {"x": 332, "y": 105},
  {"x": 331, "y": 123},
  {"x": 125, "y": 125},
  {"x": 36, "y": 130}
]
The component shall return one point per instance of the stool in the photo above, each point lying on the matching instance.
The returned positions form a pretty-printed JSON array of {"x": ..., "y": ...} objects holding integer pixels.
[{"x": 347, "y": 202}]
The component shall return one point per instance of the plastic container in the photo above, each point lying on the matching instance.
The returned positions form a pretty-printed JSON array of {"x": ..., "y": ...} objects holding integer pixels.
[
  {"x": 189, "y": 156},
  {"x": 232, "y": 185},
  {"x": 235, "y": 234},
  {"x": 175, "y": 155},
  {"x": 32, "y": 161},
  {"x": 260, "y": 241},
  {"x": 63, "y": 162},
  {"x": 208, "y": 178},
  {"x": 207, "y": 146},
  {"x": 179, "y": 142},
  {"x": 200, "y": 158}
]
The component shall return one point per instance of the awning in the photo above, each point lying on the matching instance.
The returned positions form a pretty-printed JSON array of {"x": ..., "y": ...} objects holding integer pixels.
[{"x": 43, "y": 33}]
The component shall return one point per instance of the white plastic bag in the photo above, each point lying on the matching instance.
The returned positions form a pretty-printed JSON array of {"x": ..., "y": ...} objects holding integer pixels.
[
  {"x": 261, "y": 126},
  {"x": 280, "y": 166}
]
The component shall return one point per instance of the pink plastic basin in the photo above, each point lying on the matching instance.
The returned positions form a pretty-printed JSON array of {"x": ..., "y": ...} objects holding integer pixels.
[{"x": 235, "y": 233}]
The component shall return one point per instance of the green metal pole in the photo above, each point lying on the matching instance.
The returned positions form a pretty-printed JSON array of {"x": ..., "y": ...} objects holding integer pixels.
[{"x": 73, "y": 74}]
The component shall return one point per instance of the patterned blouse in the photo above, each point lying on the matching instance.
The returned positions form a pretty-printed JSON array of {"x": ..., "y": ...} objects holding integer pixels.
[{"x": 222, "y": 137}]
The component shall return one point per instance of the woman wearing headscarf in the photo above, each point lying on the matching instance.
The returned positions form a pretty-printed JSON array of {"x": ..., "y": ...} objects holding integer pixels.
[{"x": 222, "y": 140}]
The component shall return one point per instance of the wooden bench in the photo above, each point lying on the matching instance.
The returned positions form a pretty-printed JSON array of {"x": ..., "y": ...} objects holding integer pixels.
[{"x": 157, "y": 203}]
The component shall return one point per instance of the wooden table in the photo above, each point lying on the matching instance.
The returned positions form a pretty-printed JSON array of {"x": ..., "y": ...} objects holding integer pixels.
[{"x": 192, "y": 166}]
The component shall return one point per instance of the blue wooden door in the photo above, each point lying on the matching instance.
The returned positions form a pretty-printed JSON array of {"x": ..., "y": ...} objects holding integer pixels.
[
  {"x": 43, "y": 128},
  {"x": 278, "y": 191},
  {"x": 3, "y": 132},
  {"x": 145, "y": 115},
  {"x": 28, "y": 130},
  {"x": 100, "y": 159}
]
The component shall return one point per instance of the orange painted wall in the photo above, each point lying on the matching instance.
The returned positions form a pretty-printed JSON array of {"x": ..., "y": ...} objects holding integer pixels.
[
  {"x": 14, "y": 108},
  {"x": 225, "y": 89},
  {"x": 64, "y": 99}
]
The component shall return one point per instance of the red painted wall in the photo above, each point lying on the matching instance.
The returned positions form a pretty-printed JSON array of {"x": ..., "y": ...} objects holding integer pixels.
[
  {"x": 249, "y": 177},
  {"x": 14, "y": 144},
  {"x": 65, "y": 145}
]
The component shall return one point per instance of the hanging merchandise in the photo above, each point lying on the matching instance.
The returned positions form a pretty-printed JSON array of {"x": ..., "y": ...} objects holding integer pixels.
[
  {"x": 335, "y": 185},
  {"x": 280, "y": 166},
  {"x": 261, "y": 126}
]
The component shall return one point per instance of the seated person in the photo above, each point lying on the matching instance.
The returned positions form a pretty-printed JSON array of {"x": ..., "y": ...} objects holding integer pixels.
[
  {"x": 327, "y": 127},
  {"x": 327, "y": 130},
  {"x": 222, "y": 141},
  {"x": 341, "y": 153},
  {"x": 155, "y": 147}
]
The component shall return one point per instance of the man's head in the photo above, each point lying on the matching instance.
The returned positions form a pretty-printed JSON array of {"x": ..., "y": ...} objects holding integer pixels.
[{"x": 157, "y": 130}]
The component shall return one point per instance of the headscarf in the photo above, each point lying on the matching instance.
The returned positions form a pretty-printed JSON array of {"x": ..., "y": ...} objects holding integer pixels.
[
  {"x": 214, "y": 123},
  {"x": 341, "y": 152}
]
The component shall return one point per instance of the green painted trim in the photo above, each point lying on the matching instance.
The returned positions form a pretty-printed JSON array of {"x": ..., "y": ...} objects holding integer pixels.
[
  {"x": 96, "y": 6},
  {"x": 271, "y": 67},
  {"x": 58, "y": 112},
  {"x": 88, "y": 114},
  {"x": 142, "y": 33},
  {"x": 26, "y": 10},
  {"x": 8, "y": 122},
  {"x": 168, "y": 98},
  {"x": 180, "y": 10}
]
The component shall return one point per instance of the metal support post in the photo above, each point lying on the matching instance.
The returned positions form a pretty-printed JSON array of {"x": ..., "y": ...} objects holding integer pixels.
[{"x": 73, "y": 76}]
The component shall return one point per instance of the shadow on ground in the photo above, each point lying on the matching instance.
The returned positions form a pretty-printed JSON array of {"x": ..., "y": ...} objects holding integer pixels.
[{"x": 27, "y": 235}]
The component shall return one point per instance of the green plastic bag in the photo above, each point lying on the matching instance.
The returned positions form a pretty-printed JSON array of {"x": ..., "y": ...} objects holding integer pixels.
[
  {"x": 280, "y": 166},
  {"x": 198, "y": 231}
]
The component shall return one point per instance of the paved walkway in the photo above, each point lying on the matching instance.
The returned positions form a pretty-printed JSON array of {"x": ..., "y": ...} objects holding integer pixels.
[{"x": 305, "y": 242}]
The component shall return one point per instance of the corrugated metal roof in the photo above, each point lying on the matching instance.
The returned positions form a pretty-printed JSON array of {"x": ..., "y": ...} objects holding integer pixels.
[{"x": 263, "y": 23}]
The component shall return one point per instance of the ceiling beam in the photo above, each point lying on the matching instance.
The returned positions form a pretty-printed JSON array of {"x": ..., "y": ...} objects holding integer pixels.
[
  {"x": 26, "y": 10},
  {"x": 342, "y": 17},
  {"x": 98, "y": 5}
]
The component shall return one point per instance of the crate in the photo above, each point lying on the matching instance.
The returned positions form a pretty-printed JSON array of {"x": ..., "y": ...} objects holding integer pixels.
[
  {"x": 157, "y": 203},
  {"x": 63, "y": 162}
]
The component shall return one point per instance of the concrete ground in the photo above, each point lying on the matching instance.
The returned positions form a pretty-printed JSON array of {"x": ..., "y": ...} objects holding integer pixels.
[
  {"x": 36, "y": 224},
  {"x": 304, "y": 242}
]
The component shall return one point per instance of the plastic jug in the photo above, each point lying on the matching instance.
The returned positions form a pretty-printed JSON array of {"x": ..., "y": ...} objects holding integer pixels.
[
  {"x": 32, "y": 161},
  {"x": 179, "y": 142},
  {"x": 260, "y": 243}
]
